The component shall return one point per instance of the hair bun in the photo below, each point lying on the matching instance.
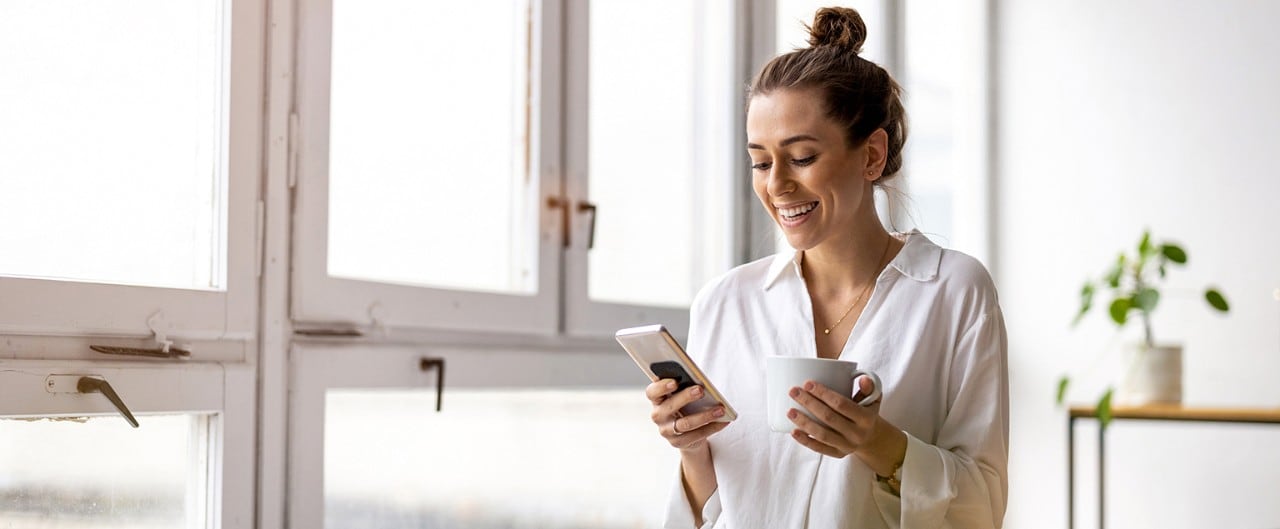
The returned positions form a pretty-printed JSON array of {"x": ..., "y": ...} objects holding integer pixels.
[{"x": 838, "y": 26}]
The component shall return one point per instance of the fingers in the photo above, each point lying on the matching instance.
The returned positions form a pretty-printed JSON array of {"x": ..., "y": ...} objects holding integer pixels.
[
  {"x": 816, "y": 446},
  {"x": 866, "y": 388},
  {"x": 811, "y": 429},
  {"x": 695, "y": 438},
  {"x": 659, "y": 391},
  {"x": 670, "y": 407},
  {"x": 835, "y": 410}
]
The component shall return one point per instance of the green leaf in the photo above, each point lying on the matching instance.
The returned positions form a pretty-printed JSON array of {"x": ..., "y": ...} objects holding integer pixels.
[
  {"x": 1086, "y": 302},
  {"x": 1144, "y": 246},
  {"x": 1120, "y": 310},
  {"x": 1174, "y": 253},
  {"x": 1062, "y": 388},
  {"x": 1146, "y": 299},
  {"x": 1162, "y": 271},
  {"x": 1216, "y": 300},
  {"x": 1104, "y": 409},
  {"x": 1113, "y": 277}
]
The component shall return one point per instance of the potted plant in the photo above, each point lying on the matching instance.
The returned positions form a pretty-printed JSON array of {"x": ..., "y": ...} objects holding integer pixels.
[{"x": 1154, "y": 373}]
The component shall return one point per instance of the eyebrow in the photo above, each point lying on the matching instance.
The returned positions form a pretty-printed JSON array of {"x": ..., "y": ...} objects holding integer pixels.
[{"x": 786, "y": 142}]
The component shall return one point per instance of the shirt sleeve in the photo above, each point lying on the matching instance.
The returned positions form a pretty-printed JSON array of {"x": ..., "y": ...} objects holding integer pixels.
[
  {"x": 680, "y": 514},
  {"x": 961, "y": 481}
]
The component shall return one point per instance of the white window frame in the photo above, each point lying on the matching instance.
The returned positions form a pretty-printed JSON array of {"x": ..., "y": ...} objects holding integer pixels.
[
  {"x": 226, "y": 391},
  {"x": 321, "y": 300},
  {"x": 561, "y": 306},
  {"x": 585, "y": 317},
  {"x": 74, "y": 308},
  {"x": 317, "y": 368}
]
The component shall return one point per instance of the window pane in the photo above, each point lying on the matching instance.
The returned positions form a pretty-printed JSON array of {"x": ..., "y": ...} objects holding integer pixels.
[
  {"x": 661, "y": 152},
  {"x": 944, "y": 85},
  {"x": 429, "y": 144},
  {"x": 507, "y": 459},
  {"x": 101, "y": 473},
  {"x": 112, "y": 124}
]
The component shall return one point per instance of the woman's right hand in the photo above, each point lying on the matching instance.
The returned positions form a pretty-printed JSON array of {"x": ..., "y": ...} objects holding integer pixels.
[{"x": 683, "y": 432}]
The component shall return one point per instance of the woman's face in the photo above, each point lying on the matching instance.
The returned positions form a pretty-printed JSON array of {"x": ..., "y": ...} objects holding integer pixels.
[{"x": 805, "y": 174}]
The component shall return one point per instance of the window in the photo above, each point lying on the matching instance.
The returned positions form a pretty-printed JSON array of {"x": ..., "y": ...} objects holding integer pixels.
[
  {"x": 129, "y": 153},
  {"x": 518, "y": 433},
  {"x": 443, "y": 184},
  {"x": 70, "y": 459},
  {"x": 653, "y": 158},
  {"x": 130, "y": 150},
  {"x": 946, "y": 79}
]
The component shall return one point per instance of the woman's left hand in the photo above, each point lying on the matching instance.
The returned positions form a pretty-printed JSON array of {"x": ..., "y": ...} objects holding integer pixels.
[{"x": 853, "y": 429}]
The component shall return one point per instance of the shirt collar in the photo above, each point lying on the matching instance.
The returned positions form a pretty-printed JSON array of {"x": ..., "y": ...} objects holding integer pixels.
[{"x": 919, "y": 260}]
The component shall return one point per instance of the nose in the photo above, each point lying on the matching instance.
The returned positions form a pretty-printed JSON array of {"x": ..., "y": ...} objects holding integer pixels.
[{"x": 781, "y": 180}]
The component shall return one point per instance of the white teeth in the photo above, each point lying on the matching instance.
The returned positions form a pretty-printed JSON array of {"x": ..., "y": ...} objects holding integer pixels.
[{"x": 797, "y": 211}]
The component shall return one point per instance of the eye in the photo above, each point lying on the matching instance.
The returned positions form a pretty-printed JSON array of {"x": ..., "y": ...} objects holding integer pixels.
[
  {"x": 804, "y": 161},
  {"x": 762, "y": 166}
]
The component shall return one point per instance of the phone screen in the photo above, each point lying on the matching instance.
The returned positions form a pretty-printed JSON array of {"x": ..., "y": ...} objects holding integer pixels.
[{"x": 672, "y": 370}]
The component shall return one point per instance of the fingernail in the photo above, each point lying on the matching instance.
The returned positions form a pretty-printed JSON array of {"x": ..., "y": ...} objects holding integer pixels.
[
  {"x": 718, "y": 412},
  {"x": 808, "y": 386},
  {"x": 791, "y": 413},
  {"x": 671, "y": 385},
  {"x": 795, "y": 392},
  {"x": 697, "y": 391}
]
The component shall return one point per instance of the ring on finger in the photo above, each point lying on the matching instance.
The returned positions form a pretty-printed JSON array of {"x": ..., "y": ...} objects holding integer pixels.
[{"x": 675, "y": 429}]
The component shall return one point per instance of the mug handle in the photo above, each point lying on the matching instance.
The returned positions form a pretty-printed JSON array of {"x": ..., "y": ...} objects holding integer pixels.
[{"x": 875, "y": 382}]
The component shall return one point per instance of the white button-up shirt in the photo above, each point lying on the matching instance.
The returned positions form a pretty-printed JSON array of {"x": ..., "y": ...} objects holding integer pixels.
[{"x": 932, "y": 330}]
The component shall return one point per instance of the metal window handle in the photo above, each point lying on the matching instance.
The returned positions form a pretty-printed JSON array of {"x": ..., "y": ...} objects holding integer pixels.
[
  {"x": 95, "y": 385},
  {"x": 556, "y": 203},
  {"x": 587, "y": 207},
  {"x": 427, "y": 364}
]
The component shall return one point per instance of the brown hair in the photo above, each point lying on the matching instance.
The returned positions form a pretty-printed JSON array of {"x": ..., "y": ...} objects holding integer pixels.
[{"x": 858, "y": 94}]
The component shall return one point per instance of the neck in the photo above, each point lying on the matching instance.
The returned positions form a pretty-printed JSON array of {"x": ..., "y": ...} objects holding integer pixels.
[{"x": 837, "y": 267}]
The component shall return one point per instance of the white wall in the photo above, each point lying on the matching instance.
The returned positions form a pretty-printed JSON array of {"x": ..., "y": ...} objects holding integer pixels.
[{"x": 1113, "y": 116}]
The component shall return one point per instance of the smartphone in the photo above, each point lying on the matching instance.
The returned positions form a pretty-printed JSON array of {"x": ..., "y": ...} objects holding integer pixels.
[{"x": 660, "y": 356}]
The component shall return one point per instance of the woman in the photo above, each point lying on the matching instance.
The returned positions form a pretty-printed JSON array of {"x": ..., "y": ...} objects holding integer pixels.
[{"x": 824, "y": 127}]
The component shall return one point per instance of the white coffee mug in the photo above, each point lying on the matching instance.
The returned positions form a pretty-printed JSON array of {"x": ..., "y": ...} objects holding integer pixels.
[{"x": 785, "y": 372}]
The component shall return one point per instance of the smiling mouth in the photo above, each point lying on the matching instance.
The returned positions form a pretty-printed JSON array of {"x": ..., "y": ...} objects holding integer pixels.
[{"x": 797, "y": 212}]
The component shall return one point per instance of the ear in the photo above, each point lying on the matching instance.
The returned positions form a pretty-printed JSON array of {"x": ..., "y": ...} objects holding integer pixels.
[{"x": 877, "y": 154}]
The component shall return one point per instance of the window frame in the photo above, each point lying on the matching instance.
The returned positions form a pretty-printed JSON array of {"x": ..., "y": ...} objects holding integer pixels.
[
  {"x": 584, "y": 316},
  {"x": 318, "y": 367},
  {"x": 319, "y": 300},
  {"x": 74, "y": 308},
  {"x": 224, "y": 390}
]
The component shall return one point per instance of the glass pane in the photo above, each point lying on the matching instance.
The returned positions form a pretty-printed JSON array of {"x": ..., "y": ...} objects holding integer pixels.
[
  {"x": 111, "y": 141},
  {"x": 101, "y": 473},
  {"x": 429, "y": 175},
  {"x": 944, "y": 83},
  {"x": 661, "y": 152},
  {"x": 511, "y": 459}
]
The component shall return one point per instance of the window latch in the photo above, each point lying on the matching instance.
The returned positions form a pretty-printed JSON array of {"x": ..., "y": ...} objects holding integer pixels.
[
  {"x": 563, "y": 206},
  {"x": 587, "y": 207},
  {"x": 427, "y": 364},
  {"x": 89, "y": 384},
  {"x": 159, "y": 330}
]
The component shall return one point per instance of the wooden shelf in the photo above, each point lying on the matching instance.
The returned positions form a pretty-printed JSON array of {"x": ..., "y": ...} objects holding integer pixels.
[{"x": 1168, "y": 412}]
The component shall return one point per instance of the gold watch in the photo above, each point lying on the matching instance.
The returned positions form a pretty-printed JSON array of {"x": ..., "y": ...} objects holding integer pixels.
[{"x": 893, "y": 480}]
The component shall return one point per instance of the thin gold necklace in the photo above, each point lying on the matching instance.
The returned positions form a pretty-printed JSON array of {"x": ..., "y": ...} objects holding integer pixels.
[{"x": 879, "y": 264}]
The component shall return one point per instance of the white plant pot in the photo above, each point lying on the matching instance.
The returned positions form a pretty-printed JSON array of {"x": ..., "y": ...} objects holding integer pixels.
[{"x": 1151, "y": 375}]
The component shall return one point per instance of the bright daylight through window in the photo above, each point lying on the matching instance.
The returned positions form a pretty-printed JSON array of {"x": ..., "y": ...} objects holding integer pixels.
[
  {"x": 100, "y": 473},
  {"x": 111, "y": 142},
  {"x": 429, "y": 149}
]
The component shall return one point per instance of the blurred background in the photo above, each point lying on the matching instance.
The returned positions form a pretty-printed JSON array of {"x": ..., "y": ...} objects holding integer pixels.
[{"x": 337, "y": 206}]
